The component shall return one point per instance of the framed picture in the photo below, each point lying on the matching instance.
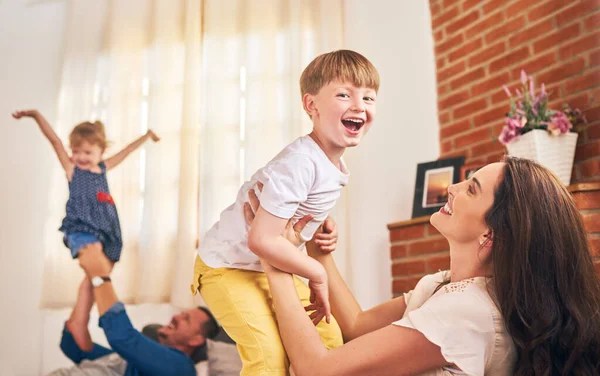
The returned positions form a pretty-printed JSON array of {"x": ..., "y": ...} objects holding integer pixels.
[
  {"x": 466, "y": 171},
  {"x": 433, "y": 180}
]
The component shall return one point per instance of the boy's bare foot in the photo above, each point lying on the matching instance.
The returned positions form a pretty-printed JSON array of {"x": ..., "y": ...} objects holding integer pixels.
[{"x": 81, "y": 334}]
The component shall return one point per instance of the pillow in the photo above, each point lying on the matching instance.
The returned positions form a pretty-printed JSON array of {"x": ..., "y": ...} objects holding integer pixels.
[
  {"x": 221, "y": 336},
  {"x": 223, "y": 359},
  {"x": 201, "y": 368}
]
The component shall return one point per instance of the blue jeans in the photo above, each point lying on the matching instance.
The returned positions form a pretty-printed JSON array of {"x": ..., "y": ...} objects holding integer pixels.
[{"x": 78, "y": 240}]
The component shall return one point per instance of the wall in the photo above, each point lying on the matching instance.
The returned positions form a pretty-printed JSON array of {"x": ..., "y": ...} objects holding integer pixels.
[
  {"x": 481, "y": 45},
  {"x": 31, "y": 45},
  {"x": 396, "y": 37}
]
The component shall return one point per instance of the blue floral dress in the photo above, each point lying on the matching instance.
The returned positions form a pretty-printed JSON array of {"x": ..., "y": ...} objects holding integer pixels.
[{"x": 91, "y": 210}]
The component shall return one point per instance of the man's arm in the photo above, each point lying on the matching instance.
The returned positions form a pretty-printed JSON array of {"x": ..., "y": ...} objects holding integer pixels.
[
  {"x": 146, "y": 355},
  {"x": 76, "y": 342},
  {"x": 72, "y": 351}
]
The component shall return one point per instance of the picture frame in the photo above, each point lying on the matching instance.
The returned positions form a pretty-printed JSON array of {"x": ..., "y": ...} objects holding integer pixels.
[
  {"x": 432, "y": 182},
  {"x": 466, "y": 171}
]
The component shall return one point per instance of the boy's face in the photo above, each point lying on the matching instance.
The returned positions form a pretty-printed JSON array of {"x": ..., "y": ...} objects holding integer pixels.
[{"x": 341, "y": 112}]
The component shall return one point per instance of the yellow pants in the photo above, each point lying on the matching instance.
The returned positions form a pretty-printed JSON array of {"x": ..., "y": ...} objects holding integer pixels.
[{"x": 241, "y": 301}]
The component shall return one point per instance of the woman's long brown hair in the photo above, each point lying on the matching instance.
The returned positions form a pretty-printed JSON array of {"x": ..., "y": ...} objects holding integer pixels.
[{"x": 544, "y": 279}]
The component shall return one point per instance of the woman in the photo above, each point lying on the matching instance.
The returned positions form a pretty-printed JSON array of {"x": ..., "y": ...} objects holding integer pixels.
[{"x": 521, "y": 296}]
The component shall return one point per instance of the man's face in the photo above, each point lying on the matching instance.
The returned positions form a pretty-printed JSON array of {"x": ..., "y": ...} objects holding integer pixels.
[{"x": 184, "y": 330}]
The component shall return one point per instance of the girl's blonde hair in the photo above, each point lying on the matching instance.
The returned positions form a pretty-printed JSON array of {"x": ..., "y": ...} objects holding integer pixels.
[{"x": 89, "y": 132}]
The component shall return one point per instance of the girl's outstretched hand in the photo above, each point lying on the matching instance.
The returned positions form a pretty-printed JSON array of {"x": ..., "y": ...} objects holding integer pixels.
[
  {"x": 24, "y": 113},
  {"x": 153, "y": 136}
]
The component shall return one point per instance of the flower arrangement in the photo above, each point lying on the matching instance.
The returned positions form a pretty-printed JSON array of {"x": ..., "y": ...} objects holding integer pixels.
[{"x": 529, "y": 111}]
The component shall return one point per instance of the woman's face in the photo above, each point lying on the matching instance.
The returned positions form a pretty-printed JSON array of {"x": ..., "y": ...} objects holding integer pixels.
[{"x": 462, "y": 219}]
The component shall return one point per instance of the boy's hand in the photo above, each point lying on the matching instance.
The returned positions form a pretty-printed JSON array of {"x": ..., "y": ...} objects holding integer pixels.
[
  {"x": 153, "y": 136},
  {"x": 319, "y": 299},
  {"x": 24, "y": 113}
]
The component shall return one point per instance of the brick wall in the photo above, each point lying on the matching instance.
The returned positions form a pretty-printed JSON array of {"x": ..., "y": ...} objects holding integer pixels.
[
  {"x": 482, "y": 44},
  {"x": 417, "y": 248}
]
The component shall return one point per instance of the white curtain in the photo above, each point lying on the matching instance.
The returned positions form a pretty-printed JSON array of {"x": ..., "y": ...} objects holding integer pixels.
[
  {"x": 218, "y": 81},
  {"x": 135, "y": 65},
  {"x": 253, "y": 55}
]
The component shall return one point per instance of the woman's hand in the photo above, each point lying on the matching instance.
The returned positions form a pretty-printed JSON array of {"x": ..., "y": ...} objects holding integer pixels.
[
  {"x": 327, "y": 236},
  {"x": 324, "y": 241}
]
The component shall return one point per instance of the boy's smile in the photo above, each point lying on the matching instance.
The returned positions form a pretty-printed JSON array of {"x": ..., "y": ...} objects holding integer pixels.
[
  {"x": 342, "y": 114},
  {"x": 353, "y": 124}
]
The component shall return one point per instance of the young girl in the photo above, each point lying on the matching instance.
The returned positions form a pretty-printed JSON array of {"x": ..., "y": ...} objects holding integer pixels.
[{"x": 91, "y": 215}]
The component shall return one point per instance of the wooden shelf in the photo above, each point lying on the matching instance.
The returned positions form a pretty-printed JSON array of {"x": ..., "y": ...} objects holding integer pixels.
[
  {"x": 584, "y": 187},
  {"x": 410, "y": 222}
]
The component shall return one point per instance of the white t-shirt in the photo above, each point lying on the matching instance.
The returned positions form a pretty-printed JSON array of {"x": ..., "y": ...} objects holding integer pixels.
[
  {"x": 300, "y": 180},
  {"x": 462, "y": 319}
]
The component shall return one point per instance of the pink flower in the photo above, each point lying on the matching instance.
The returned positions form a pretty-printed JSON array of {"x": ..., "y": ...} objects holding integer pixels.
[
  {"x": 516, "y": 123},
  {"x": 529, "y": 110},
  {"x": 531, "y": 89},
  {"x": 559, "y": 124},
  {"x": 508, "y": 135},
  {"x": 512, "y": 129},
  {"x": 523, "y": 77}
]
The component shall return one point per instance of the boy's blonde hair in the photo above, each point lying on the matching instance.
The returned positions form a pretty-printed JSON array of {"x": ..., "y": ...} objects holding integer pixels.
[
  {"x": 89, "y": 132},
  {"x": 342, "y": 65}
]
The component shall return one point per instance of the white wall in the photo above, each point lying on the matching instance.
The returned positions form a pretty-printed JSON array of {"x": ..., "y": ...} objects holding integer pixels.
[
  {"x": 30, "y": 48},
  {"x": 396, "y": 36}
]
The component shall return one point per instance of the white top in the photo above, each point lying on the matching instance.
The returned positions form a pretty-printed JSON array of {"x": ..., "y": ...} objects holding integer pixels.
[
  {"x": 300, "y": 180},
  {"x": 462, "y": 319}
]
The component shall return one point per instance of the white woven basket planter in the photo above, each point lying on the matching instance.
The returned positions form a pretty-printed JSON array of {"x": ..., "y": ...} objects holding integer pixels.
[{"x": 556, "y": 153}]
